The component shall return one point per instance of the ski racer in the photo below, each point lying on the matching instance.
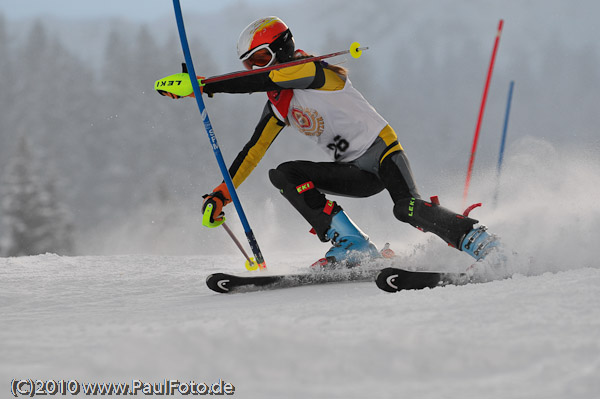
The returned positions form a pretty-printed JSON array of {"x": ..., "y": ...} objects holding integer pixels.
[{"x": 318, "y": 100}]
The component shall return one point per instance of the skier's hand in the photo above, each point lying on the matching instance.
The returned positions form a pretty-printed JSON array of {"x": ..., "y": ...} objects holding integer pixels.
[
  {"x": 177, "y": 85},
  {"x": 172, "y": 95},
  {"x": 212, "y": 208}
]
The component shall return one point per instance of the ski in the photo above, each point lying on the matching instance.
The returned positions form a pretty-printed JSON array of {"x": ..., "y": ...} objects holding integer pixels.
[
  {"x": 392, "y": 279},
  {"x": 229, "y": 283}
]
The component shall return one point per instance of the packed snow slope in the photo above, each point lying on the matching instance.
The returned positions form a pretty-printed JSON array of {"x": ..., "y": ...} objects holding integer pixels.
[
  {"x": 535, "y": 334},
  {"x": 124, "y": 318}
]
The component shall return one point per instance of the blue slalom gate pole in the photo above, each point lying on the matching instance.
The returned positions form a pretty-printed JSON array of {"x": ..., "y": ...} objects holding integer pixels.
[
  {"x": 503, "y": 141},
  {"x": 213, "y": 139},
  {"x": 506, "y": 116}
]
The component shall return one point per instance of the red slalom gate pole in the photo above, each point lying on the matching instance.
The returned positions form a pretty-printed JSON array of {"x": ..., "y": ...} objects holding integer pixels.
[{"x": 481, "y": 110}]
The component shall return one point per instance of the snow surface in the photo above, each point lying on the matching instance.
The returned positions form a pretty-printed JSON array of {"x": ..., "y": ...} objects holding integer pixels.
[
  {"x": 119, "y": 318},
  {"x": 534, "y": 335}
]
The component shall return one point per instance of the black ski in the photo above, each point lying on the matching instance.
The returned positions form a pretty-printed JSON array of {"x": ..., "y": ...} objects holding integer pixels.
[
  {"x": 392, "y": 279},
  {"x": 229, "y": 283}
]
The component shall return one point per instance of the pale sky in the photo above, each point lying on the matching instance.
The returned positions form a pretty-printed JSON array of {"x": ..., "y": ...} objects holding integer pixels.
[{"x": 139, "y": 10}]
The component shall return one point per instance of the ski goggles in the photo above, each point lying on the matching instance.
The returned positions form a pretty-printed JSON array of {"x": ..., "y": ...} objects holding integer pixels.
[{"x": 259, "y": 57}]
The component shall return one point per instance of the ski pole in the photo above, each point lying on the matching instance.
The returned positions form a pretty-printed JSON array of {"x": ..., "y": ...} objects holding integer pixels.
[
  {"x": 212, "y": 137},
  {"x": 250, "y": 264},
  {"x": 481, "y": 110},
  {"x": 355, "y": 51},
  {"x": 179, "y": 83}
]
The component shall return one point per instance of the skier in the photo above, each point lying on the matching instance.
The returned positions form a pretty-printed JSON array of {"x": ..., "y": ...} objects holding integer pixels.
[{"x": 319, "y": 100}]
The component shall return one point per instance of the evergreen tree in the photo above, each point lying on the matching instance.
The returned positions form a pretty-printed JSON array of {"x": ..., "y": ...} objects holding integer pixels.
[
  {"x": 34, "y": 221},
  {"x": 8, "y": 88}
]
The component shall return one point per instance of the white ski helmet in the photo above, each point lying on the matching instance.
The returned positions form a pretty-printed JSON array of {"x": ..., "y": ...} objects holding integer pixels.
[{"x": 264, "y": 41}]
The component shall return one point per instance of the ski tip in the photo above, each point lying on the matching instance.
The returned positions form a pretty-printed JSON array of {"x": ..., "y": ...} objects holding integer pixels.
[
  {"x": 219, "y": 282},
  {"x": 392, "y": 279},
  {"x": 387, "y": 279}
]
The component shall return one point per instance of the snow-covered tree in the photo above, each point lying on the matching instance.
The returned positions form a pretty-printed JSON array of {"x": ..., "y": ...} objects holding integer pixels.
[{"x": 34, "y": 220}]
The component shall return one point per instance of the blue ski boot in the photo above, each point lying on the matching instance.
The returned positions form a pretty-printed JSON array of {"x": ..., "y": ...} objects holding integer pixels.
[
  {"x": 350, "y": 245},
  {"x": 479, "y": 243}
]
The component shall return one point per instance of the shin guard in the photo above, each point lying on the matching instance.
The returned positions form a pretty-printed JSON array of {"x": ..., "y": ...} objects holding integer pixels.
[
  {"x": 430, "y": 217},
  {"x": 319, "y": 215}
]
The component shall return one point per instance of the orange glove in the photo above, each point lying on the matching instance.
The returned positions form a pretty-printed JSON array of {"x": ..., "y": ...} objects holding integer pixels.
[{"x": 212, "y": 207}]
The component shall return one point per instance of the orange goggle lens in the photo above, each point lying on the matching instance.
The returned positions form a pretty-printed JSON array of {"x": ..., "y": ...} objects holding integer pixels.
[{"x": 259, "y": 59}]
